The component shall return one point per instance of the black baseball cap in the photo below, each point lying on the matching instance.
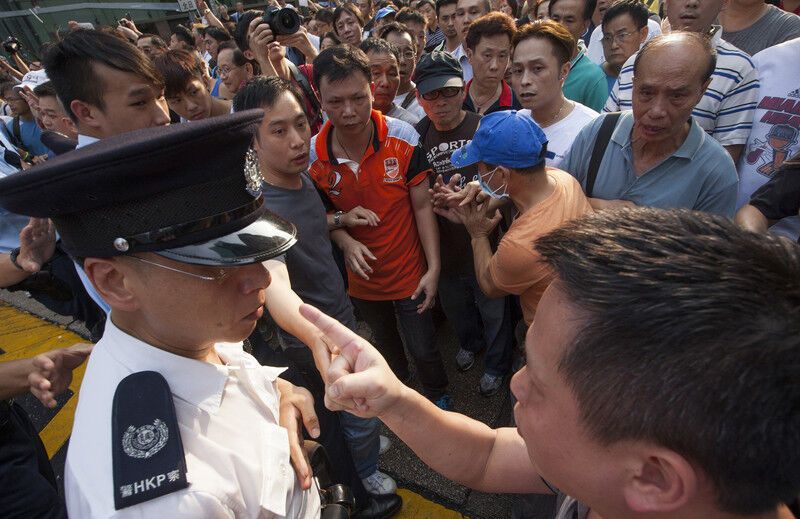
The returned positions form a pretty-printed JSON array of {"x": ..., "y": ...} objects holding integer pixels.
[
  {"x": 438, "y": 69},
  {"x": 180, "y": 191}
]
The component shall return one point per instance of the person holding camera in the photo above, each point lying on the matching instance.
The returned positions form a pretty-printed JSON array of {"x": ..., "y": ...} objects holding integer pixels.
[
  {"x": 12, "y": 46},
  {"x": 266, "y": 41}
]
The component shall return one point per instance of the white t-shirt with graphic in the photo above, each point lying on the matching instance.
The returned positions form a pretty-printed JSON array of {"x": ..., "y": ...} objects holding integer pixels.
[
  {"x": 561, "y": 134},
  {"x": 775, "y": 136}
]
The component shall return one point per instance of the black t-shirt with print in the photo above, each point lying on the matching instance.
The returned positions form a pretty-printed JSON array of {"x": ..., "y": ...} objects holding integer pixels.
[{"x": 456, "y": 251}]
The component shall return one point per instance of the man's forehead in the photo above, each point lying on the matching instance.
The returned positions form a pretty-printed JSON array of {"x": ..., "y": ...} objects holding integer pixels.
[
  {"x": 381, "y": 59},
  {"x": 555, "y": 326},
  {"x": 468, "y": 4}
]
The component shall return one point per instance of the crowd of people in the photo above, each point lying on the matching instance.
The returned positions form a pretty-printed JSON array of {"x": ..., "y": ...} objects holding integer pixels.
[{"x": 601, "y": 197}]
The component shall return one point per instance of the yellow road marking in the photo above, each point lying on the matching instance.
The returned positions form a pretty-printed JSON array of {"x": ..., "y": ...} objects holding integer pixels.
[
  {"x": 417, "y": 507},
  {"x": 23, "y": 335}
]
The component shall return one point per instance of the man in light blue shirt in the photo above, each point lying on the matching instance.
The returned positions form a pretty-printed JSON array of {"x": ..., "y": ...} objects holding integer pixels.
[{"x": 657, "y": 155}]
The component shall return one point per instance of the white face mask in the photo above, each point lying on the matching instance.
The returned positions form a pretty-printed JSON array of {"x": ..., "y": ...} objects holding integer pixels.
[{"x": 483, "y": 181}]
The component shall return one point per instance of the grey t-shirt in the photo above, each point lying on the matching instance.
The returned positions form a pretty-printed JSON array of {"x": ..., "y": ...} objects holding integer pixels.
[
  {"x": 776, "y": 26},
  {"x": 312, "y": 270}
]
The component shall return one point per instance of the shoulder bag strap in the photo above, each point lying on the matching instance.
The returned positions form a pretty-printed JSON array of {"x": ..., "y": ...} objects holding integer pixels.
[{"x": 599, "y": 150}]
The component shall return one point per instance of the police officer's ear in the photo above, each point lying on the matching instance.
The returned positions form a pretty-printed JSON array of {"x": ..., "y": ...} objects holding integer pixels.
[{"x": 113, "y": 278}]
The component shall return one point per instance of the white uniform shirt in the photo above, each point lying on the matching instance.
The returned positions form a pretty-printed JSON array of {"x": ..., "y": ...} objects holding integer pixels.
[{"x": 237, "y": 456}]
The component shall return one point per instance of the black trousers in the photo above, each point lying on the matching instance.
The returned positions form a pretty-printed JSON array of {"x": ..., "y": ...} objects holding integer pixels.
[
  {"x": 303, "y": 372},
  {"x": 27, "y": 483}
]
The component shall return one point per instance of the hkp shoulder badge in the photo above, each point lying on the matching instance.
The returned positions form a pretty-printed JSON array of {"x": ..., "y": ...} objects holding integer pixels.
[{"x": 147, "y": 451}]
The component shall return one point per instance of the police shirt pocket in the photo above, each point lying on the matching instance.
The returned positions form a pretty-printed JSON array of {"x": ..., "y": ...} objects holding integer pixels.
[{"x": 277, "y": 473}]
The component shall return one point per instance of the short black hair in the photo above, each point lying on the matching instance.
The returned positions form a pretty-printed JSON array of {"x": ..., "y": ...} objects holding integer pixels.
[
  {"x": 184, "y": 35},
  {"x": 324, "y": 16},
  {"x": 264, "y": 91},
  {"x": 218, "y": 34},
  {"x": 68, "y": 64},
  {"x": 635, "y": 8},
  {"x": 699, "y": 39},
  {"x": 380, "y": 46},
  {"x": 689, "y": 339},
  {"x": 179, "y": 67},
  {"x": 588, "y": 8},
  {"x": 407, "y": 15},
  {"x": 155, "y": 40},
  {"x": 340, "y": 62},
  {"x": 45, "y": 89},
  {"x": 444, "y": 3}
]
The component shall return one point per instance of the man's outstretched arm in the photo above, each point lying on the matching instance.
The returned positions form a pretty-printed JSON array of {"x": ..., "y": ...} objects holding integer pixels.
[{"x": 458, "y": 447}]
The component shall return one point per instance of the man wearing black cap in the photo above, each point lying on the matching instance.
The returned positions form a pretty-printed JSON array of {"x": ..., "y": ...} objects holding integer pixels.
[
  {"x": 480, "y": 322},
  {"x": 173, "y": 235}
]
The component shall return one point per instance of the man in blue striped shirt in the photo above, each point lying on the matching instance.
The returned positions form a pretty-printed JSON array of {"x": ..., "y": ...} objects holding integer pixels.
[
  {"x": 658, "y": 155},
  {"x": 726, "y": 109}
]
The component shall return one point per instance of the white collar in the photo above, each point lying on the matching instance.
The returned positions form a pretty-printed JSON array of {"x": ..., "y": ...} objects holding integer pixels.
[
  {"x": 85, "y": 140},
  {"x": 198, "y": 383},
  {"x": 716, "y": 36}
]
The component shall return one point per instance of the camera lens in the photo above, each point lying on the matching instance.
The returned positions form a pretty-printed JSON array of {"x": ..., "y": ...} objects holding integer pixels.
[{"x": 288, "y": 21}]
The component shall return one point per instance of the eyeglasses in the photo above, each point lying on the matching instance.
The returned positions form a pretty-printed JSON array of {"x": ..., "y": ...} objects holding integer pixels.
[
  {"x": 407, "y": 54},
  {"x": 620, "y": 37},
  {"x": 224, "y": 71},
  {"x": 218, "y": 276},
  {"x": 433, "y": 95}
]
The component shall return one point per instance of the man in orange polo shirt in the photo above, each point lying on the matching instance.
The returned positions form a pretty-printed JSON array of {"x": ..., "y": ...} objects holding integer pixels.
[{"x": 362, "y": 159}]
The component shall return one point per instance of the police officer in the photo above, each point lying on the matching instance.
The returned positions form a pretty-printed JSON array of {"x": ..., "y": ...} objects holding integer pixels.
[{"x": 174, "y": 418}]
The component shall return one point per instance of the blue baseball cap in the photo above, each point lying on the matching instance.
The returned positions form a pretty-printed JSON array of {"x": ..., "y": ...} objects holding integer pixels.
[
  {"x": 507, "y": 138},
  {"x": 383, "y": 12}
]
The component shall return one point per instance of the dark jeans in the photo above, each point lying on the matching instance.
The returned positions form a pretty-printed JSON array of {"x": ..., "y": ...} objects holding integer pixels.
[
  {"x": 384, "y": 318},
  {"x": 303, "y": 373},
  {"x": 479, "y": 321},
  {"x": 27, "y": 484}
]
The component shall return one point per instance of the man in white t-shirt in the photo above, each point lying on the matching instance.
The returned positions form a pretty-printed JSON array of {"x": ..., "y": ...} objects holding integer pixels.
[
  {"x": 776, "y": 123},
  {"x": 539, "y": 63}
]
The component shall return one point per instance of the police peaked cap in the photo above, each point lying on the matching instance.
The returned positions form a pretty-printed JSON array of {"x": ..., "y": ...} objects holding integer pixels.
[{"x": 180, "y": 191}]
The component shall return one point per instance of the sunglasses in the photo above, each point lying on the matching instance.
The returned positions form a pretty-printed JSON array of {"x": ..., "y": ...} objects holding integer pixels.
[{"x": 444, "y": 92}]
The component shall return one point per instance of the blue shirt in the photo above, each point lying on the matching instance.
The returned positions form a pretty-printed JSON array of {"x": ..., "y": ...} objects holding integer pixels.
[
  {"x": 10, "y": 224},
  {"x": 85, "y": 140},
  {"x": 699, "y": 175},
  {"x": 30, "y": 134}
]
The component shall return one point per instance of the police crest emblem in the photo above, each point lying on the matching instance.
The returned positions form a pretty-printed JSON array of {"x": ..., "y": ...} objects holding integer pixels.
[{"x": 145, "y": 441}]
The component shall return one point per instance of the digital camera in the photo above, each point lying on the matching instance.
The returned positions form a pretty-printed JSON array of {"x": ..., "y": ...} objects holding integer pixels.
[
  {"x": 282, "y": 21},
  {"x": 11, "y": 45}
]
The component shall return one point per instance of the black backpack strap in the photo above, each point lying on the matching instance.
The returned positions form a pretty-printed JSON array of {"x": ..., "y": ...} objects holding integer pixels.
[
  {"x": 308, "y": 90},
  {"x": 422, "y": 128},
  {"x": 599, "y": 150},
  {"x": 16, "y": 132},
  {"x": 408, "y": 99}
]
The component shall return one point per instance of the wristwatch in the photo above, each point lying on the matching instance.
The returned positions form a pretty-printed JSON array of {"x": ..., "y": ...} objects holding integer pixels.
[
  {"x": 337, "y": 218},
  {"x": 13, "y": 257}
]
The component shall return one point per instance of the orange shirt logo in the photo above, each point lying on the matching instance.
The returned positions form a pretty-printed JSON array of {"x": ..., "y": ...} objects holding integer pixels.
[{"x": 391, "y": 169}]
